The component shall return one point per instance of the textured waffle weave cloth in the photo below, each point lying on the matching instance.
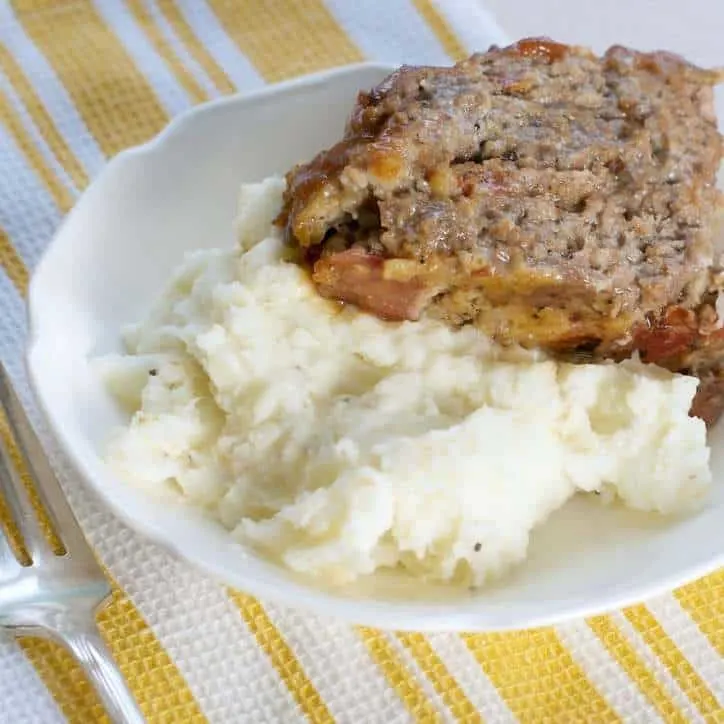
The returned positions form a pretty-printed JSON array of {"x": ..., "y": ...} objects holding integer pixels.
[{"x": 79, "y": 81}]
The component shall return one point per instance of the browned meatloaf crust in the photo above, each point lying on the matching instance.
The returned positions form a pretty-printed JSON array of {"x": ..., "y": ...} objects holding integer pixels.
[{"x": 550, "y": 197}]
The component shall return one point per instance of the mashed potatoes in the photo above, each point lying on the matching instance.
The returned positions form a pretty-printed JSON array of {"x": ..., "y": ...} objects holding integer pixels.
[{"x": 338, "y": 443}]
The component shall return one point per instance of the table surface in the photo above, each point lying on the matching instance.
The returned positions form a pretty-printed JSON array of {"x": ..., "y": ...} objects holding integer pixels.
[{"x": 694, "y": 28}]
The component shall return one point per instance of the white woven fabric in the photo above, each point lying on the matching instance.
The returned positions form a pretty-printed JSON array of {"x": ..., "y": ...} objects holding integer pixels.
[{"x": 227, "y": 660}]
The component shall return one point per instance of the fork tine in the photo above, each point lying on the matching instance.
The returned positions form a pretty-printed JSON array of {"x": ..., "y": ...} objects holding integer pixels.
[
  {"x": 21, "y": 509},
  {"x": 8, "y": 561},
  {"x": 48, "y": 488}
]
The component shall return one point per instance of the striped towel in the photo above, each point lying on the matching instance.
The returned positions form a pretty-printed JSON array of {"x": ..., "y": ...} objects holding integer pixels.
[{"x": 79, "y": 81}]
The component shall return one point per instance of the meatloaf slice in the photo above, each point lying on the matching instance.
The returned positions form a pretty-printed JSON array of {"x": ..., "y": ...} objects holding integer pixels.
[{"x": 551, "y": 197}]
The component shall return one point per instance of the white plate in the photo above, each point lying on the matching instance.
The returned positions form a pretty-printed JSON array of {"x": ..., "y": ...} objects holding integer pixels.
[{"x": 177, "y": 193}]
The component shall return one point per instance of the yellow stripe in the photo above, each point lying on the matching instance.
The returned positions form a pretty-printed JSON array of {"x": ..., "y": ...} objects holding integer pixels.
[
  {"x": 398, "y": 676},
  {"x": 445, "y": 34},
  {"x": 164, "y": 49},
  {"x": 537, "y": 677},
  {"x": 627, "y": 658},
  {"x": 65, "y": 681},
  {"x": 678, "y": 666},
  {"x": 286, "y": 38},
  {"x": 12, "y": 121},
  {"x": 435, "y": 670},
  {"x": 12, "y": 534},
  {"x": 41, "y": 118},
  {"x": 116, "y": 102},
  {"x": 703, "y": 600},
  {"x": 156, "y": 683},
  {"x": 13, "y": 264},
  {"x": 281, "y": 657},
  {"x": 195, "y": 48}
]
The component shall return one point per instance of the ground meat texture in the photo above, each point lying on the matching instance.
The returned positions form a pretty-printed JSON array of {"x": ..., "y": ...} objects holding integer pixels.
[
  {"x": 708, "y": 402},
  {"x": 550, "y": 197}
]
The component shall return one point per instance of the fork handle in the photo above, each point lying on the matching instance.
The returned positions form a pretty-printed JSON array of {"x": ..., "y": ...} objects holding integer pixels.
[{"x": 91, "y": 652}]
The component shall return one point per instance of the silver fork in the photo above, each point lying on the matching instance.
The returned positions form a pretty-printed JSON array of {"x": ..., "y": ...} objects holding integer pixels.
[{"x": 55, "y": 596}]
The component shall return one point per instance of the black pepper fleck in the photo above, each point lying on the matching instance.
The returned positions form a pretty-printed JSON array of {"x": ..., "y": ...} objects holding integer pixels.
[
  {"x": 477, "y": 547},
  {"x": 153, "y": 372}
]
